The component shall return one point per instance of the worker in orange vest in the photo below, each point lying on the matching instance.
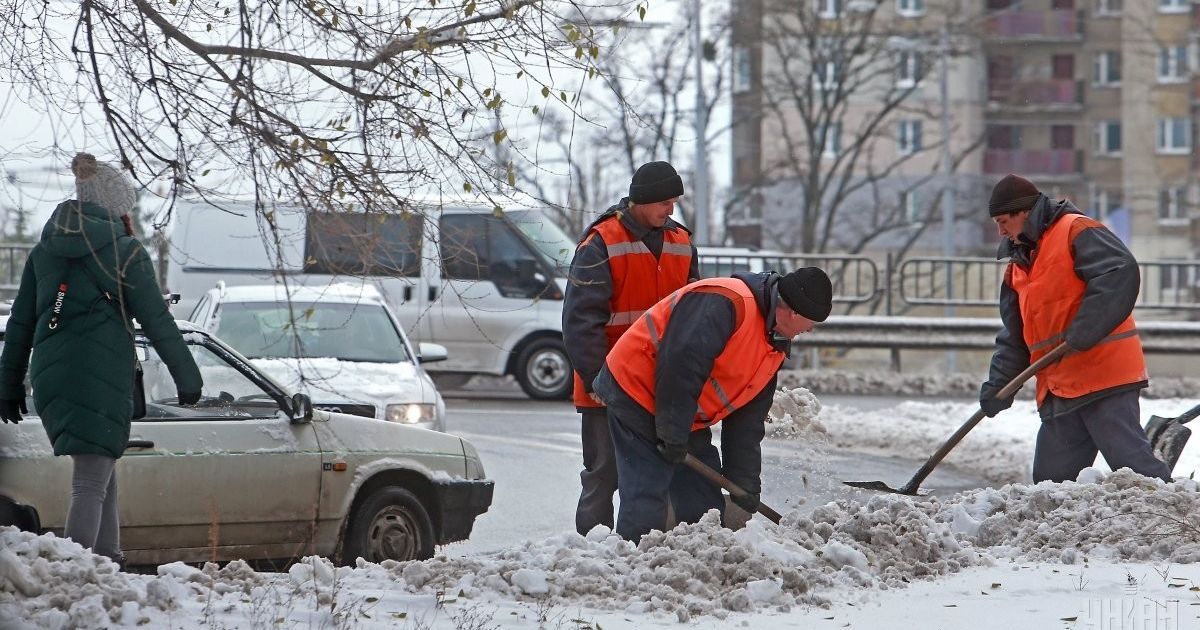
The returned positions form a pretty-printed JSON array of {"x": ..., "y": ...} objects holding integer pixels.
[
  {"x": 630, "y": 257},
  {"x": 1070, "y": 280},
  {"x": 708, "y": 353}
]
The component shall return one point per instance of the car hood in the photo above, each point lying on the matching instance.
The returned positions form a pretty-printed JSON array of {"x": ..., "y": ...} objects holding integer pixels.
[{"x": 332, "y": 380}]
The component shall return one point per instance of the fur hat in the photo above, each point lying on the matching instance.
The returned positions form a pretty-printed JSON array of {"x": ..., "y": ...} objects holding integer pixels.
[
  {"x": 103, "y": 184},
  {"x": 808, "y": 292},
  {"x": 654, "y": 182},
  {"x": 1012, "y": 194}
]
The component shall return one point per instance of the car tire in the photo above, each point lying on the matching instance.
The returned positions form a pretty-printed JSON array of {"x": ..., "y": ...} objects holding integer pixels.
[
  {"x": 391, "y": 524},
  {"x": 544, "y": 371}
]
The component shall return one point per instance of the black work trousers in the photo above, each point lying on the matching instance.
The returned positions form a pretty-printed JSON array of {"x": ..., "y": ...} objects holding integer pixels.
[
  {"x": 599, "y": 475},
  {"x": 1068, "y": 443}
]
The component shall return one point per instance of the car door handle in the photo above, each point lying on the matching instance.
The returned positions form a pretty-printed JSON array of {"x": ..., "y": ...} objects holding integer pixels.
[
  {"x": 408, "y": 294},
  {"x": 432, "y": 293},
  {"x": 139, "y": 444}
]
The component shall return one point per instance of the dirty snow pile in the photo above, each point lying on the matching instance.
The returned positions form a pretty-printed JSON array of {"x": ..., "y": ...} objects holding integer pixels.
[
  {"x": 793, "y": 414},
  {"x": 816, "y": 559}
]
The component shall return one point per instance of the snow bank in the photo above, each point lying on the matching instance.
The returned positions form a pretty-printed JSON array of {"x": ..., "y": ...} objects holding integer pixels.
[{"x": 876, "y": 541}]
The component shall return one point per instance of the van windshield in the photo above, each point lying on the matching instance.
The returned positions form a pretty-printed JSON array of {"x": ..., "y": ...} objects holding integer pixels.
[
  {"x": 348, "y": 332},
  {"x": 547, "y": 237}
]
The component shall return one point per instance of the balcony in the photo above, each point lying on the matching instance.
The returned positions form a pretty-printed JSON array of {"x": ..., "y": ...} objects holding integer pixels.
[
  {"x": 1058, "y": 162},
  {"x": 1035, "y": 25},
  {"x": 1052, "y": 93}
]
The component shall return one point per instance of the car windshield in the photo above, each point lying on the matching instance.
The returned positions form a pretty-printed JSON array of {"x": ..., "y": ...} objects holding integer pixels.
[
  {"x": 227, "y": 391},
  {"x": 547, "y": 237},
  {"x": 348, "y": 332}
]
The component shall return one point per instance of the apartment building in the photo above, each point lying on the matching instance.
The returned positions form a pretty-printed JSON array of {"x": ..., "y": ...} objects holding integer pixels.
[{"x": 1094, "y": 100}]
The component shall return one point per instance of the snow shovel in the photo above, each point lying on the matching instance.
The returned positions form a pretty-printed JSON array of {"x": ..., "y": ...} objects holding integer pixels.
[
  {"x": 1011, "y": 388},
  {"x": 1168, "y": 435},
  {"x": 733, "y": 489}
]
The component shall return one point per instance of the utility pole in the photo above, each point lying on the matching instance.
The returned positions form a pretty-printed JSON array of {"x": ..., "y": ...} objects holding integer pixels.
[
  {"x": 948, "y": 193},
  {"x": 700, "y": 120}
]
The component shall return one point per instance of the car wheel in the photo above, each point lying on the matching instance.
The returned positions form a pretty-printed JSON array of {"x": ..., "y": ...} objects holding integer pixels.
[
  {"x": 390, "y": 525},
  {"x": 544, "y": 371}
]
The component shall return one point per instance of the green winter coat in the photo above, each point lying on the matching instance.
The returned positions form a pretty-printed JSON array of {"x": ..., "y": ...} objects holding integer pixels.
[{"x": 82, "y": 370}]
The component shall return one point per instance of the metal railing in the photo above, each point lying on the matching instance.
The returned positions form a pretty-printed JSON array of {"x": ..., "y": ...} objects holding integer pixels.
[
  {"x": 12, "y": 263},
  {"x": 856, "y": 279},
  {"x": 964, "y": 281}
]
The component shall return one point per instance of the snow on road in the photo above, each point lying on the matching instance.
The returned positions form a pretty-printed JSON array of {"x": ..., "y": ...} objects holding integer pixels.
[{"x": 1114, "y": 546}]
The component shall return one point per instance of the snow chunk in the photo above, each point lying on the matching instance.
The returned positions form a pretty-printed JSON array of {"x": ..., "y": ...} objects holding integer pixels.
[
  {"x": 530, "y": 581},
  {"x": 1090, "y": 475},
  {"x": 841, "y": 555}
]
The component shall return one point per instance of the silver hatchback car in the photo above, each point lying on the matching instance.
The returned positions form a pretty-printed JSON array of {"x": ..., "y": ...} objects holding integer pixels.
[{"x": 254, "y": 472}]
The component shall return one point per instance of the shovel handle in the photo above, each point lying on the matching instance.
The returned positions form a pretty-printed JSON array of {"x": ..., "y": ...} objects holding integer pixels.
[
  {"x": 1006, "y": 391},
  {"x": 721, "y": 480}
]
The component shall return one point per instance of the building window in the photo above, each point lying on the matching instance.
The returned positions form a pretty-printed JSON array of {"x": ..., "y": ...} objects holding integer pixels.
[
  {"x": 825, "y": 75},
  {"x": 910, "y": 206},
  {"x": 828, "y": 9},
  {"x": 910, "y": 8},
  {"x": 1109, "y": 7},
  {"x": 1174, "y": 135},
  {"x": 1173, "y": 64},
  {"x": 1105, "y": 203},
  {"x": 908, "y": 69},
  {"x": 909, "y": 136},
  {"x": 1174, "y": 6},
  {"x": 742, "y": 79},
  {"x": 830, "y": 138},
  {"x": 1172, "y": 203},
  {"x": 1107, "y": 68},
  {"x": 1108, "y": 137}
]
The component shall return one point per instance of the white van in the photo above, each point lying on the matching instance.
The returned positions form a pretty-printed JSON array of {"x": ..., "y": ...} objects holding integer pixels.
[{"x": 487, "y": 286}]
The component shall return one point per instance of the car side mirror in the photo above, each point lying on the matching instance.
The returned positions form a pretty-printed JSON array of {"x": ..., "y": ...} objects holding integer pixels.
[
  {"x": 302, "y": 408},
  {"x": 431, "y": 353}
]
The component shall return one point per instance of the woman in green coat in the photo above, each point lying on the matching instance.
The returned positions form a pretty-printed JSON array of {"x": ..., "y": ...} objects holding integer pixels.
[{"x": 83, "y": 282}]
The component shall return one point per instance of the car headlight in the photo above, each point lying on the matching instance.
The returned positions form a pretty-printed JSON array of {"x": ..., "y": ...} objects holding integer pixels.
[{"x": 411, "y": 413}]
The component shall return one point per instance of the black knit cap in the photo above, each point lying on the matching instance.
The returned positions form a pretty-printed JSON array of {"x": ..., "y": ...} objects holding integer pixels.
[
  {"x": 807, "y": 291},
  {"x": 654, "y": 182},
  {"x": 1012, "y": 194}
]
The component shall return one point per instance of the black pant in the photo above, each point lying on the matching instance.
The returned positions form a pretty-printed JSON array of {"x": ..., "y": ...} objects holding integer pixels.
[
  {"x": 599, "y": 475},
  {"x": 1068, "y": 443},
  {"x": 646, "y": 480}
]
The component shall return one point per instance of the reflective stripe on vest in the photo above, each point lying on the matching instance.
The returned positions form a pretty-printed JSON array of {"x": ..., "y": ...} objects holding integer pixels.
[
  {"x": 740, "y": 372},
  {"x": 1049, "y": 295},
  {"x": 638, "y": 279}
]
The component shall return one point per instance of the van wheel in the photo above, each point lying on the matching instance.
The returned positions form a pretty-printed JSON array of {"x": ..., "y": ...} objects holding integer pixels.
[
  {"x": 390, "y": 525},
  {"x": 544, "y": 371}
]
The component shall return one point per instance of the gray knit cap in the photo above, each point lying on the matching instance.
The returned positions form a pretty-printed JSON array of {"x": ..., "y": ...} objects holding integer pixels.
[{"x": 103, "y": 184}]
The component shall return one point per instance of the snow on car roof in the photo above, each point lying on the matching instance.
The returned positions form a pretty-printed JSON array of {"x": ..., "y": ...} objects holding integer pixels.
[{"x": 338, "y": 292}]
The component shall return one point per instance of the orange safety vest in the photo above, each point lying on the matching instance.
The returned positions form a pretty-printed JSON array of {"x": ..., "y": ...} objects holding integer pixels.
[
  {"x": 638, "y": 279},
  {"x": 740, "y": 372},
  {"x": 1049, "y": 294}
]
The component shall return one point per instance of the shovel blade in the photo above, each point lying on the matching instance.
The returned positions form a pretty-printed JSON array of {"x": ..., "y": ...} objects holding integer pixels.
[
  {"x": 879, "y": 486},
  {"x": 1169, "y": 442}
]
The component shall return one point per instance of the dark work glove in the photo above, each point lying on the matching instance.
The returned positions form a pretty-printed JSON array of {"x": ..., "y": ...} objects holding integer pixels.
[
  {"x": 11, "y": 410},
  {"x": 990, "y": 404},
  {"x": 748, "y": 502},
  {"x": 189, "y": 398},
  {"x": 673, "y": 453}
]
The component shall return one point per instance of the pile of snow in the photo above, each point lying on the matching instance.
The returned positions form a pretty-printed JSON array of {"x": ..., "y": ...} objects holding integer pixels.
[
  {"x": 794, "y": 414},
  {"x": 874, "y": 541}
]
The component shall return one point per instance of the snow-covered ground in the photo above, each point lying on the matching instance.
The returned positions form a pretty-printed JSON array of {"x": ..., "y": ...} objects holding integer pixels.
[{"x": 1113, "y": 550}]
